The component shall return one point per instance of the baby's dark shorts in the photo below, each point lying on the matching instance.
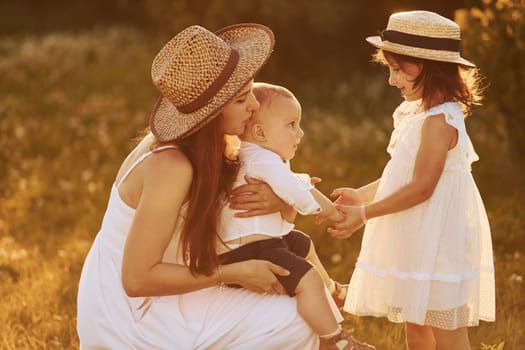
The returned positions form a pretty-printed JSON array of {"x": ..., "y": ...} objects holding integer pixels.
[{"x": 289, "y": 251}]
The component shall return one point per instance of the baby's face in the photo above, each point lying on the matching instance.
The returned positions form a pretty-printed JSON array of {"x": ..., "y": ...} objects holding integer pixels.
[{"x": 281, "y": 122}]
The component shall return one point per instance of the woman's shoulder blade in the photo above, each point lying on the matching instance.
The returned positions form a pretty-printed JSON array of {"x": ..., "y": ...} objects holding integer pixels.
[{"x": 167, "y": 163}]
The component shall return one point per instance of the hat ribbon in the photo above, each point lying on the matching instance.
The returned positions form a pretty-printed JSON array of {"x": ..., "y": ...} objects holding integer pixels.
[
  {"x": 201, "y": 100},
  {"x": 423, "y": 42}
]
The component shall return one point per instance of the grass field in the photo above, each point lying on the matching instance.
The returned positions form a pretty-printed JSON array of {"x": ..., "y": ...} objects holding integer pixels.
[{"x": 71, "y": 107}]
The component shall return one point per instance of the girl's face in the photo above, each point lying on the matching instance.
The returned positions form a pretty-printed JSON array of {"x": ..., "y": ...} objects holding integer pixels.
[
  {"x": 281, "y": 124},
  {"x": 403, "y": 76},
  {"x": 239, "y": 110}
]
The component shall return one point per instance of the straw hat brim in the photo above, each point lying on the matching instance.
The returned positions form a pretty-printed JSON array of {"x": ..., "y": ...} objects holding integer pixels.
[
  {"x": 254, "y": 43},
  {"x": 428, "y": 54}
]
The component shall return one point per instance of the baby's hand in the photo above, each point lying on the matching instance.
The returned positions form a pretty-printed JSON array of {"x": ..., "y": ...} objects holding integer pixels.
[
  {"x": 315, "y": 180},
  {"x": 347, "y": 196},
  {"x": 335, "y": 216}
]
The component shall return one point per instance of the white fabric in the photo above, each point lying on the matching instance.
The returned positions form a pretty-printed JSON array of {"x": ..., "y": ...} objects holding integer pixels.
[
  {"x": 207, "y": 319},
  {"x": 262, "y": 164},
  {"x": 431, "y": 264}
]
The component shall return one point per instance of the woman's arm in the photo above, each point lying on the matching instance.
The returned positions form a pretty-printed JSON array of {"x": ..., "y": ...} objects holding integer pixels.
[
  {"x": 143, "y": 271},
  {"x": 257, "y": 198},
  {"x": 437, "y": 137}
]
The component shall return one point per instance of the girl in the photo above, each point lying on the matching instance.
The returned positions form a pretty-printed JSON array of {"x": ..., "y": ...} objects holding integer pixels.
[{"x": 426, "y": 256}]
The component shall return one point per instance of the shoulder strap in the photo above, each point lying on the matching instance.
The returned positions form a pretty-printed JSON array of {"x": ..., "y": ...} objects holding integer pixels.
[{"x": 140, "y": 159}]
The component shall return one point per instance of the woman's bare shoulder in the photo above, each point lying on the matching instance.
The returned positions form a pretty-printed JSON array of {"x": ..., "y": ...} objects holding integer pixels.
[{"x": 167, "y": 163}]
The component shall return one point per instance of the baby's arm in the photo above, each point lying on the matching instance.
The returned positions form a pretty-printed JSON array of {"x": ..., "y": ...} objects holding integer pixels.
[
  {"x": 328, "y": 209},
  {"x": 294, "y": 189}
]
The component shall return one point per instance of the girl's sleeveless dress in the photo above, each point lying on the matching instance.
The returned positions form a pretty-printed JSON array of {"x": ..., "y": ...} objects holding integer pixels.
[
  {"x": 211, "y": 318},
  {"x": 431, "y": 264}
]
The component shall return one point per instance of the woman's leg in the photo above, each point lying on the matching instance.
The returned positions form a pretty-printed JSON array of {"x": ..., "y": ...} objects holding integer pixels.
[
  {"x": 456, "y": 339},
  {"x": 419, "y": 337}
]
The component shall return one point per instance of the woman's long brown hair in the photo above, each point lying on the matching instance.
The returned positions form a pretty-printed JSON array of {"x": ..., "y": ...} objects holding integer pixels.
[
  {"x": 441, "y": 81},
  {"x": 213, "y": 176}
]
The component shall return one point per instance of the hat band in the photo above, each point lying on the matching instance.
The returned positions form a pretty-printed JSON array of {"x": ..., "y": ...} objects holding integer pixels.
[
  {"x": 212, "y": 90},
  {"x": 423, "y": 42}
]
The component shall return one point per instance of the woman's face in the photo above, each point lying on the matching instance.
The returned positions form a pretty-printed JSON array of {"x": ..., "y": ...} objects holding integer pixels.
[
  {"x": 236, "y": 113},
  {"x": 403, "y": 76}
]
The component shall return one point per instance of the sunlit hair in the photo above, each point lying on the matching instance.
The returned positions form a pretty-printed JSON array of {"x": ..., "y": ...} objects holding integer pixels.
[
  {"x": 441, "y": 81},
  {"x": 213, "y": 175},
  {"x": 264, "y": 93}
]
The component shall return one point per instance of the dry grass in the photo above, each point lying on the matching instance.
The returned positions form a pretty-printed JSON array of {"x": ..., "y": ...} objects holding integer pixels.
[{"x": 70, "y": 106}]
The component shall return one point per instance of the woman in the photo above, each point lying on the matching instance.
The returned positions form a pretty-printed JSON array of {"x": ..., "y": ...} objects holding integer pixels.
[{"x": 151, "y": 279}]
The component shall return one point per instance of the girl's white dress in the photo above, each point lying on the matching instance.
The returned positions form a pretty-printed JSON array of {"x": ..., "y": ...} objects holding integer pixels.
[
  {"x": 211, "y": 318},
  {"x": 431, "y": 264}
]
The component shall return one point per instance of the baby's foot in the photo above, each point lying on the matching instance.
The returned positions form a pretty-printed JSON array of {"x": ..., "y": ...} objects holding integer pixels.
[{"x": 338, "y": 292}]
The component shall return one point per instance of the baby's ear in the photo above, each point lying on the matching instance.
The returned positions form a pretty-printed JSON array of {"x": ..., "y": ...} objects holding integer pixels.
[{"x": 258, "y": 132}]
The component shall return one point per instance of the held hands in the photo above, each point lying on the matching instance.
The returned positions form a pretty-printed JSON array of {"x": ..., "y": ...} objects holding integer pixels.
[
  {"x": 347, "y": 196},
  {"x": 344, "y": 196},
  {"x": 348, "y": 203},
  {"x": 351, "y": 222}
]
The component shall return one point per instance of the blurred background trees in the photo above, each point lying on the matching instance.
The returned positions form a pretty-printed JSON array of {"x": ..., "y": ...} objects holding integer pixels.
[
  {"x": 318, "y": 42},
  {"x": 495, "y": 40}
]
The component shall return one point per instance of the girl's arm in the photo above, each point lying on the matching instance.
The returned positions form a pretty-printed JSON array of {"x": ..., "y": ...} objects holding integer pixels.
[
  {"x": 352, "y": 196},
  {"x": 437, "y": 137},
  {"x": 143, "y": 271}
]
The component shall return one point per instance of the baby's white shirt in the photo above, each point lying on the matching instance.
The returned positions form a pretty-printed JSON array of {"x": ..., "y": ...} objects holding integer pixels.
[{"x": 265, "y": 165}]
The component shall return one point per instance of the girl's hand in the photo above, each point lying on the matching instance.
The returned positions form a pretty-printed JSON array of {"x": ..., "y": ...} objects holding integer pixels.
[
  {"x": 351, "y": 223},
  {"x": 256, "y": 198},
  {"x": 347, "y": 196},
  {"x": 258, "y": 276}
]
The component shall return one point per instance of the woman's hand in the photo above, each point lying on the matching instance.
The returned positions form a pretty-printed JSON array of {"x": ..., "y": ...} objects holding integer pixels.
[
  {"x": 347, "y": 196},
  {"x": 257, "y": 276},
  {"x": 351, "y": 222},
  {"x": 255, "y": 198}
]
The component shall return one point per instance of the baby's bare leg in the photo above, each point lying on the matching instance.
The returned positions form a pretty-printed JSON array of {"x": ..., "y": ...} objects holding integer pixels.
[
  {"x": 313, "y": 305},
  {"x": 314, "y": 260}
]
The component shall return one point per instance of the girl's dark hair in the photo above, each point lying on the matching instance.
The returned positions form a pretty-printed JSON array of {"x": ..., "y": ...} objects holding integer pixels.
[
  {"x": 441, "y": 81},
  {"x": 213, "y": 176}
]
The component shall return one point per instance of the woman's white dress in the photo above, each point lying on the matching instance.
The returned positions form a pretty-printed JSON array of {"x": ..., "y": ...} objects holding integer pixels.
[
  {"x": 431, "y": 264},
  {"x": 211, "y": 318}
]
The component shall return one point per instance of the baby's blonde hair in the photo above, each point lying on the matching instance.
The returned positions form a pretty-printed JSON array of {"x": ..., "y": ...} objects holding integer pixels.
[{"x": 264, "y": 93}]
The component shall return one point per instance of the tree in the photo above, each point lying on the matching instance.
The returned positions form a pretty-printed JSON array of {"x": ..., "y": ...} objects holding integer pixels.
[{"x": 494, "y": 38}]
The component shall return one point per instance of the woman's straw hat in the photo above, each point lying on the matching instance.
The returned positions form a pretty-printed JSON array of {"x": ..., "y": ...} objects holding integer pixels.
[
  {"x": 421, "y": 34},
  {"x": 198, "y": 72}
]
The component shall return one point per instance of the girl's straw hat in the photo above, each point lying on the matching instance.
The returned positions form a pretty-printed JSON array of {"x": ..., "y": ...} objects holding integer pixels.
[
  {"x": 421, "y": 34},
  {"x": 198, "y": 72}
]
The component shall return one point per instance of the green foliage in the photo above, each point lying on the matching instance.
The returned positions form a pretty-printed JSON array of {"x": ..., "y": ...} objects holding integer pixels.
[{"x": 494, "y": 37}]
